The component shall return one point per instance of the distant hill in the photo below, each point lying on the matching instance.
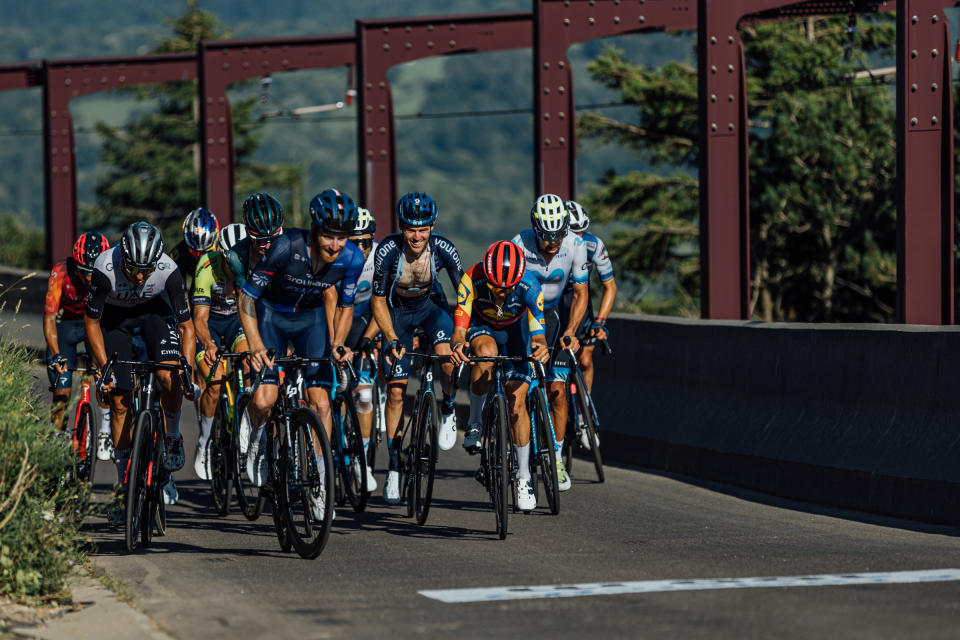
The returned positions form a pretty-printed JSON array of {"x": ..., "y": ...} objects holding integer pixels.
[{"x": 479, "y": 167}]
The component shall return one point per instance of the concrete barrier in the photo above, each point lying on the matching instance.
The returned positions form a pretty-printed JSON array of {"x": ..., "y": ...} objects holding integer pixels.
[{"x": 857, "y": 416}]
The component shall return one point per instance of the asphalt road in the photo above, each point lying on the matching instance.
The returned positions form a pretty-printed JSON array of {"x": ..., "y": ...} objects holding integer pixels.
[{"x": 214, "y": 577}]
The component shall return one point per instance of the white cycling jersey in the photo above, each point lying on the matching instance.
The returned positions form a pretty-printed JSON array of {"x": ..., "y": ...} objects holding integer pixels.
[
  {"x": 569, "y": 263},
  {"x": 361, "y": 300}
]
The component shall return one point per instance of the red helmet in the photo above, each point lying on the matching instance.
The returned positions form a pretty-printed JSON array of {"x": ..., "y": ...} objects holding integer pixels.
[
  {"x": 88, "y": 248},
  {"x": 504, "y": 264}
]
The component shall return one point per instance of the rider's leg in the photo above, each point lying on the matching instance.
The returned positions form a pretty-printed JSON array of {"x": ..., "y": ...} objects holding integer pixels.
[
  {"x": 586, "y": 365},
  {"x": 208, "y": 399},
  {"x": 394, "y": 413},
  {"x": 557, "y": 396},
  {"x": 520, "y": 422},
  {"x": 480, "y": 375}
]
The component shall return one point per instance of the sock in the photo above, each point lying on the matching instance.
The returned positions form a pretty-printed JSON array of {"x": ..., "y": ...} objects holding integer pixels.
[
  {"x": 447, "y": 406},
  {"x": 206, "y": 426},
  {"x": 366, "y": 443},
  {"x": 123, "y": 456},
  {"x": 476, "y": 408},
  {"x": 558, "y": 445},
  {"x": 322, "y": 466},
  {"x": 256, "y": 433},
  {"x": 523, "y": 458},
  {"x": 173, "y": 422},
  {"x": 394, "y": 453},
  {"x": 104, "y": 419}
]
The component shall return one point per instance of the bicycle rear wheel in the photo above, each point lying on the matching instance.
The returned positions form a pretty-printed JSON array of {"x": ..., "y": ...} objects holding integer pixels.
[
  {"x": 545, "y": 455},
  {"x": 353, "y": 462},
  {"x": 587, "y": 411},
  {"x": 137, "y": 474},
  {"x": 498, "y": 462},
  {"x": 249, "y": 496},
  {"x": 424, "y": 462},
  {"x": 86, "y": 439},
  {"x": 220, "y": 459},
  {"x": 302, "y": 479}
]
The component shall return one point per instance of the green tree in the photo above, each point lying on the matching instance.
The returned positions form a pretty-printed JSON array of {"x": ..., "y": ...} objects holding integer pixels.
[
  {"x": 822, "y": 161},
  {"x": 154, "y": 161}
]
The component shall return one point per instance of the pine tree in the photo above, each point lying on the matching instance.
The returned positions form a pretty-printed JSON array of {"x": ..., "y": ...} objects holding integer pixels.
[{"x": 822, "y": 162}]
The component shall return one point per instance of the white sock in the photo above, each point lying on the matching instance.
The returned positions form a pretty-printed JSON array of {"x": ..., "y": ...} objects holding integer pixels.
[
  {"x": 206, "y": 426},
  {"x": 104, "y": 419},
  {"x": 323, "y": 469},
  {"x": 523, "y": 458},
  {"x": 256, "y": 433},
  {"x": 476, "y": 408},
  {"x": 366, "y": 443},
  {"x": 173, "y": 422},
  {"x": 558, "y": 444}
]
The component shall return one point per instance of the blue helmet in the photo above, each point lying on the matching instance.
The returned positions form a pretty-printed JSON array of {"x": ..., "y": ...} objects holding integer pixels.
[
  {"x": 417, "y": 209},
  {"x": 334, "y": 211}
]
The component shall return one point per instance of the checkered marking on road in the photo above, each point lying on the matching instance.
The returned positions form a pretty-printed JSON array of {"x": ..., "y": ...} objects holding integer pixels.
[{"x": 653, "y": 586}]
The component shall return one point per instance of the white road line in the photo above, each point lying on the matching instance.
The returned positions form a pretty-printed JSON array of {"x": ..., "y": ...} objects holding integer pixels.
[{"x": 651, "y": 586}]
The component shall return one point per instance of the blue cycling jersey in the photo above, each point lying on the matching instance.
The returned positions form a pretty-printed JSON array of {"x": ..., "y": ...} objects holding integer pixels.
[
  {"x": 285, "y": 275},
  {"x": 388, "y": 265}
]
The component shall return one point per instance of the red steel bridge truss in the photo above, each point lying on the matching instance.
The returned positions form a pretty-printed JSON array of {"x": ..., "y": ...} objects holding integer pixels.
[{"x": 925, "y": 192}]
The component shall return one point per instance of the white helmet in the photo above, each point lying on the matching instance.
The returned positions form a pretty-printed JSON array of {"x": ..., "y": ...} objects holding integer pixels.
[
  {"x": 549, "y": 215},
  {"x": 231, "y": 235},
  {"x": 579, "y": 220}
]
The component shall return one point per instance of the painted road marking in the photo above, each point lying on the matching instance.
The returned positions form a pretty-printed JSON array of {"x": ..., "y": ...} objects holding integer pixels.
[{"x": 652, "y": 586}]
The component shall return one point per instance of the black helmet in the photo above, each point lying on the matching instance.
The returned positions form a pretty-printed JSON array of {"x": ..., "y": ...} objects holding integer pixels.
[
  {"x": 262, "y": 214},
  {"x": 334, "y": 211},
  {"x": 141, "y": 246}
]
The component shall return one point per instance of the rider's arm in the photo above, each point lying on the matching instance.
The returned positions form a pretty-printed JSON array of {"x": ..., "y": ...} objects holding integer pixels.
[
  {"x": 330, "y": 309},
  {"x": 579, "y": 275},
  {"x": 248, "y": 320},
  {"x": 601, "y": 260},
  {"x": 464, "y": 310},
  {"x": 96, "y": 300},
  {"x": 383, "y": 261},
  {"x": 347, "y": 292},
  {"x": 51, "y": 306},
  {"x": 606, "y": 303},
  {"x": 381, "y": 313},
  {"x": 202, "y": 291}
]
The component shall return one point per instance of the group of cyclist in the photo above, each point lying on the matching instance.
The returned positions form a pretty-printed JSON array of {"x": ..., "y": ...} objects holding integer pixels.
[{"x": 327, "y": 292}]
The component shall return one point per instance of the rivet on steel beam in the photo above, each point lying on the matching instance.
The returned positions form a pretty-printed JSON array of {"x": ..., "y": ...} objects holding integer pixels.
[
  {"x": 561, "y": 64},
  {"x": 53, "y": 152},
  {"x": 245, "y": 65},
  {"x": 730, "y": 39},
  {"x": 546, "y": 116},
  {"x": 103, "y": 80},
  {"x": 223, "y": 141},
  {"x": 386, "y": 47},
  {"x": 63, "y": 132},
  {"x": 616, "y": 19},
  {"x": 566, "y": 22},
  {"x": 386, "y": 29},
  {"x": 223, "y": 161},
  {"x": 226, "y": 65},
  {"x": 730, "y": 68},
  {"x": 209, "y": 140},
  {"x": 383, "y": 130},
  {"x": 713, "y": 39},
  {"x": 560, "y": 90},
  {"x": 713, "y": 126},
  {"x": 914, "y": 19},
  {"x": 713, "y": 68},
  {"x": 383, "y": 107},
  {"x": 67, "y": 82},
  {"x": 383, "y": 152},
  {"x": 913, "y": 54},
  {"x": 933, "y": 120},
  {"x": 408, "y": 29},
  {"x": 546, "y": 91},
  {"x": 934, "y": 87},
  {"x": 86, "y": 81},
  {"x": 616, "y": 1},
  {"x": 369, "y": 107},
  {"x": 430, "y": 45},
  {"x": 593, "y": 2},
  {"x": 913, "y": 122},
  {"x": 934, "y": 19},
  {"x": 369, "y": 131},
  {"x": 210, "y": 162},
  {"x": 265, "y": 64},
  {"x": 546, "y": 142},
  {"x": 53, "y": 114},
  {"x": 642, "y": 19},
  {"x": 561, "y": 115},
  {"x": 429, "y": 27},
  {"x": 934, "y": 53},
  {"x": 369, "y": 154},
  {"x": 65, "y": 168},
  {"x": 382, "y": 85},
  {"x": 563, "y": 141},
  {"x": 729, "y": 97},
  {"x": 453, "y": 43},
  {"x": 452, "y": 26},
  {"x": 285, "y": 63},
  {"x": 913, "y": 88},
  {"x": 566, "y": 3},
  {"x": 210, "y": 121},
  {"x": 546, "y": 65},
  {"x": 408, "y": 45},
  {"x": 713, "y": 97},
  {"x": 730, "y": 127},
  {"x": 223, "y": 120},
  {"x": 122, "y": 78},
  {"x": 369, "y": 85}
]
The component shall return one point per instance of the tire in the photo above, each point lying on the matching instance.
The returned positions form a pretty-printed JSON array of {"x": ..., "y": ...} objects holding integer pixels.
[
  {"x": 351, "y": 456},
  {"x": 87, "y": 439},
  {"x": 374, "y": 429},
  {"x": 249, "y": 496},
  {"x": 301, "y": 477},
  {"x": 424, "y": 462},
  {"x": 160, "y": 517},
  {"x": 221, "y": 458},
  {"x": 499, "y": 462},
  {"x": 277, "y": 510},
  {"x": 137, "y": 491},
  {"x": 545, "y": 455},
  {"x": 586, "y": 408}
]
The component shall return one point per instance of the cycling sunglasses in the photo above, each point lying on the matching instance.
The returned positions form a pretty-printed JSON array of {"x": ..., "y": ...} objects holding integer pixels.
[
  {"x": 551, "y": 236},
  {"x": 500, "y": 289},
  {"x": 363, "y": 243},
  {"x": 264, "y": 241},
  {"x": 132, "y": 270}
]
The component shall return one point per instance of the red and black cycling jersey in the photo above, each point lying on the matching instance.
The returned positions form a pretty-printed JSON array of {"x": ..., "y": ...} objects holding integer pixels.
[{"x": 67, "y": 290}]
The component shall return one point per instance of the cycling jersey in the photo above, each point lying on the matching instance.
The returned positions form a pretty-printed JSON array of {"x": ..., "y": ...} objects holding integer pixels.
[
  {"x": 213, "y": 285},
  {"x": 597, "y": 256},
  {"x": 67, "y": 290},
  {"x": 569, "y": 263},
  {"x": 110, "y": 289},
  {"x": 285, "y": 276},
  {"x": 361, "y": 301},
  {"x": 388, "y": 266},
  {"x": 475, "y": 302}
]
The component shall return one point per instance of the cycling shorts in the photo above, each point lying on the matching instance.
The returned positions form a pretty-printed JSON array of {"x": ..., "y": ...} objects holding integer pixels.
[
  {"x": 162, "y": 341},
  {"x": 224, "y": 330},
  {"x": 436, "y": 322},
  {"x": 70, "y": 333},
  {"x": 307, "y": 330},
  {"x": 513, "y": 341}
]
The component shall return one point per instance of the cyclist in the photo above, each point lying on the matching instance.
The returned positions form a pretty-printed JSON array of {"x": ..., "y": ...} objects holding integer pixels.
[
  {"x": 263, "y": 219},
  {"x": 200, "y": 229},
  {"x": 405, "y": 275},
  {"x": 127, "y": 291},
  {"x": 364, "y": 329},
  {"x": 500, "y": 309},
  {"x": 592, "y": 327},
  {"x": 283, "y": 299},
  {"x": 557, "y": 257},
  {"x": 63, "y": 309},
  {"x": 217, "y": 325}
]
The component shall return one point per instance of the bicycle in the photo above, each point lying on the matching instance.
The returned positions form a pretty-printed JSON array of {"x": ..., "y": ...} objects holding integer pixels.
[
  {"x": 146, "y": 472},
  {"x": 293, "y": 432},
  {"x": 83, "y": 435},
  {"x": 582, "y": 421},
  {"x": 418, "y": 445},
  {"x": 347, "y": 445}
]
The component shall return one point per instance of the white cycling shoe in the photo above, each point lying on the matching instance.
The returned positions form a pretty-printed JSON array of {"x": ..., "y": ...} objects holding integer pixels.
[
  {"x": 447, "y": 438},
  {"x": 371, "y": 481},
  {"x": 257, "y": 466},
  {"x": 391, "y": 490},
  {"x": 563, "y": 478},
  {"x": 243, "y": 435},
  {"x": 526, "y": 498},
  {"x": 201, "y": 462},
  {"x": 104, "y": 446},
  {"x": 170, "y": 493},
  {"x": 317, "y": 504}
]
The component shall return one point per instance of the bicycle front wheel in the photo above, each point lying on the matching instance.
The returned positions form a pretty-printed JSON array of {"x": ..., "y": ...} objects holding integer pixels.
[
  {"x": 137, "y": 476},
  {"x": 220, "y": 460},
  {"x": 498, "y": 461},
  {"x": 249, "y": 496},
  {"x": 353, "y": 462},
  {"x": 86, "y": 437},
  {"x": 308, "y": 483},
  {"x": 425, "y": 456},
  {"x": 545, "y": 455},
  {"x": 586, "y": 408}
]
